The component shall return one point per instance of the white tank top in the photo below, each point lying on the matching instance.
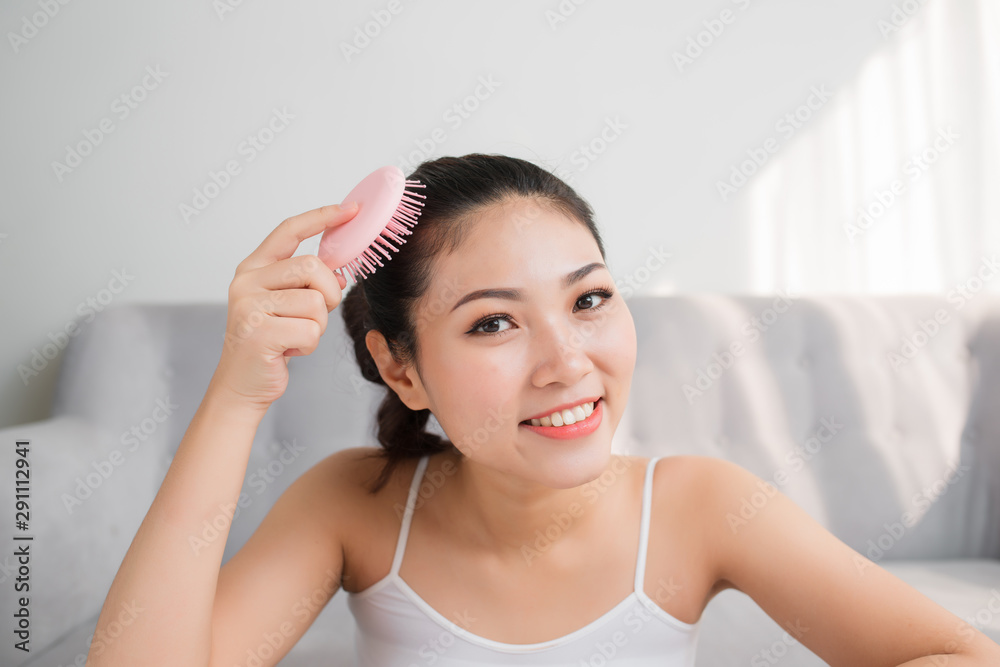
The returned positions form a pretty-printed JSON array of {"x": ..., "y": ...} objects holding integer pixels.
[{"x": 395, "y": 627}]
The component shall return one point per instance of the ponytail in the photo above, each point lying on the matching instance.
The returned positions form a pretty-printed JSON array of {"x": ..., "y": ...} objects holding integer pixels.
[{"x": 400, "y": 430}]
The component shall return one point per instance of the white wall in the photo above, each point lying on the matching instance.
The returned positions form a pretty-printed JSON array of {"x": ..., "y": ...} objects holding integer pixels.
[{"x": 64, "y": 235}]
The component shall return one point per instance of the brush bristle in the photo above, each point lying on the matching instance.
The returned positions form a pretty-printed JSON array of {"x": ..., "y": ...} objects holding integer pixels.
[{"x": 404, "y": 217}]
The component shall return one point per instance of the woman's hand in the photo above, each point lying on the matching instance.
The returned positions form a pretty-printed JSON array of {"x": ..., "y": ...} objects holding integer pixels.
[{"x": 278, "y": 307}]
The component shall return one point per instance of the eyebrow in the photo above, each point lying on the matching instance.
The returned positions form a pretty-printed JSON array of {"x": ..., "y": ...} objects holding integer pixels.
[{"x": 512, "y": 294}]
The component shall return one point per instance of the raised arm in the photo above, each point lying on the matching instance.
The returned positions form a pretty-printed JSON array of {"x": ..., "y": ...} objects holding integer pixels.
[{"x": 169, "y": 577}]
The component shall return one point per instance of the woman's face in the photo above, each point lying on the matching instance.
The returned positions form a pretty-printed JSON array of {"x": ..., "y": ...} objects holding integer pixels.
[{"x": 486, "y": 364}]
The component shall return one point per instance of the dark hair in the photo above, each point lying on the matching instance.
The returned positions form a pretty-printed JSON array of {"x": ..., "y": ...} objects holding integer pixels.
[{"x": 457, "y": 190}]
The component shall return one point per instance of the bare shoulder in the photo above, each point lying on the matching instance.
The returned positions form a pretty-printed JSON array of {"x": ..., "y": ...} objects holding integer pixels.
[
  {"x": 350, "y": 472},
  {"x": 699, "y": 478},
  {"x": 340, "y": 482},
  {"x": 693, "y": 478},
  {"x": 741, "y": 517},
  {"x": 696, "y": 492},
  {"x": 367, "y": 524}
]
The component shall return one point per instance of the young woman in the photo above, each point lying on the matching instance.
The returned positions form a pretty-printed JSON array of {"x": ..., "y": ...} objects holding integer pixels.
[{"x": 525, "y": 542}]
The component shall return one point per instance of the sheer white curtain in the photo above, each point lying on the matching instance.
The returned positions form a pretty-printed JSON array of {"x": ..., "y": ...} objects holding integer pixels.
[{"x": 913, "y": 143}]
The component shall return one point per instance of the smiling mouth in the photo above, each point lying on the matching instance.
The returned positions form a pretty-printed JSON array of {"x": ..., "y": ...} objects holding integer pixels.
[{"x": 527, "y": 422}]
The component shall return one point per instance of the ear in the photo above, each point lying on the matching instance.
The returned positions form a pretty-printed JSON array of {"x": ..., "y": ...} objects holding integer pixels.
[{"x": 404, "y": 380}]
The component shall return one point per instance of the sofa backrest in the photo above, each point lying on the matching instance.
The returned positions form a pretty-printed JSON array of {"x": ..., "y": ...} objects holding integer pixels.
[{"x": 876, "y": 414}]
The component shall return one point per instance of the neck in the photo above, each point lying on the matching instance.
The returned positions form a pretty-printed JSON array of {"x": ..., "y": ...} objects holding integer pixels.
[{"x": 519, "y": 520}]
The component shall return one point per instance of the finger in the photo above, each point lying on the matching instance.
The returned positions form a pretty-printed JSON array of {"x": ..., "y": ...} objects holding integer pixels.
[
  {"x": 283, "y": 241},
  {"x": 293, "y": 333},
  {"x": 300, "y": 303},
  {"x": 341, "y": 279},
  {"x": 304, "y": 271}
]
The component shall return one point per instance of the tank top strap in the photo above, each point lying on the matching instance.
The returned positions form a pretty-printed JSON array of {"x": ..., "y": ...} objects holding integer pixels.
[
  {"x": 411, "y": 501},
  {"x": 647, "y": 496}
]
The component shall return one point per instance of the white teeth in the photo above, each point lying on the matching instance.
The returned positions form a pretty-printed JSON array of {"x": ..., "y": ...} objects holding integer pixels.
[{"x": 566, "y": 417}]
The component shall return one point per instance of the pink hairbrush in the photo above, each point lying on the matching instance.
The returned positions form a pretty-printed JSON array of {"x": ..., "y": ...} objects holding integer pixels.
[{"x": 385, "y": 208}]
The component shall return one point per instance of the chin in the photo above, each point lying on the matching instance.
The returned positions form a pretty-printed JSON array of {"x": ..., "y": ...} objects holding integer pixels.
[{"x": 577, "y": 466}]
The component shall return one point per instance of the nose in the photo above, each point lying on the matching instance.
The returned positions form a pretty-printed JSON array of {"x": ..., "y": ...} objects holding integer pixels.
[{"x": 563, "y": 356}]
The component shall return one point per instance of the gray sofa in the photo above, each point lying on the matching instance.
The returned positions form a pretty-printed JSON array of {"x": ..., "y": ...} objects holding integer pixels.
[{"x": 894, "y": 446}]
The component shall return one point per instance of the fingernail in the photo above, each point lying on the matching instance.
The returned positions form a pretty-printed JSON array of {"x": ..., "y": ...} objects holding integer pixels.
[{"x": 348, "y": 207}]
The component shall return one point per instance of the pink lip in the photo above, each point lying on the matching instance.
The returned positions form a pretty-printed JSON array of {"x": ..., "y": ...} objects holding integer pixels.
[{"x": 579, "y": 429}]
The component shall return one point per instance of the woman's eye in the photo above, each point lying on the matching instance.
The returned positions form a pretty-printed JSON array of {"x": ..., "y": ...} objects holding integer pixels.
[
  {"x": 488, "y": 327},
  {"x": 491, "y": 324},
  {"x": 591, "y": 297}
]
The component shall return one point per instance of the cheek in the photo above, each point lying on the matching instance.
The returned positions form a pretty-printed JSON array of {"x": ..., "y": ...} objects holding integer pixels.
[
  {"x": 475, "y": 398},
  {"x": 616, "y": 343}
]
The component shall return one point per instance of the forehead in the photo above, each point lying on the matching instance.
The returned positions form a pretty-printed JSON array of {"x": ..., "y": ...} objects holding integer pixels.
[{"x": 521, "y": 243}]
